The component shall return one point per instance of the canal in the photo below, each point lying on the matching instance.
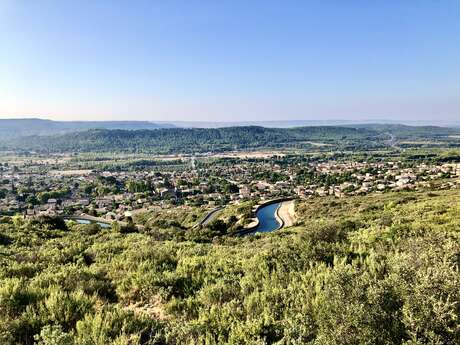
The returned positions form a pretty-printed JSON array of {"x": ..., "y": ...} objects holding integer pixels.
[
  {"x": 267, "y": 218},
  {"x": 85, "y": 221}
]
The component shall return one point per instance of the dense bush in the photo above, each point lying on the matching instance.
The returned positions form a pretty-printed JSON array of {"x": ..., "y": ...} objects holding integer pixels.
[
  {"x": 348, "y": 274},
  {"x": 191, "y": 140}
]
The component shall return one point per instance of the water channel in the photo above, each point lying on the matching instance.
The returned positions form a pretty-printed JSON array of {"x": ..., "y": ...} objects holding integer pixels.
[
  {"x": 85, "y": 221},
  {"x": 267, "y": 218}
]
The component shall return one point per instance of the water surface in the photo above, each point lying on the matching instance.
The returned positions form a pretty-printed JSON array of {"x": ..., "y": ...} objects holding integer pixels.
[
  {"x": 85, "y": 221},
  {"x": 267, "y": 218}
]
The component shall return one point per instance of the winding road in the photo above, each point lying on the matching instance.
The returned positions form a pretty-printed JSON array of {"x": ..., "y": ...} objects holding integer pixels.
[{"x": 209, "y": 217}]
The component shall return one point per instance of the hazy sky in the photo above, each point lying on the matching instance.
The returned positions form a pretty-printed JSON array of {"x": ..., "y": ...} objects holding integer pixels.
[{"x": 230, "y": 60}]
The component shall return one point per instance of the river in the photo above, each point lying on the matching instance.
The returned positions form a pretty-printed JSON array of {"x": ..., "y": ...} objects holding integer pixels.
[{"x": 267, "y": 218}]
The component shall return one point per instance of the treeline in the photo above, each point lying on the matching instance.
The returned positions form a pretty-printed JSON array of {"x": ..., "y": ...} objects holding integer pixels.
[
  {"x": 412, "y": 132},
  {"x": 194, "y": 140}
]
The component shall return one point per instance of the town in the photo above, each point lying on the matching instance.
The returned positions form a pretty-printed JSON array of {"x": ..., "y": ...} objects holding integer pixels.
[
  {"x": 49, "y": 187},
  {"x": 229, "y": 172}
]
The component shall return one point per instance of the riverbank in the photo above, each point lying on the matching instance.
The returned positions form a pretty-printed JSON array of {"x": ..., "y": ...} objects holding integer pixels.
[
  {"x": 279, "y": 220},
  {"x": 286, "y": 213}
]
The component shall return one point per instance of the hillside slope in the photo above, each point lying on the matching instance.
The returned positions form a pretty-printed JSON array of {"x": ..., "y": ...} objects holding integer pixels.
[
  {"x": 191, "y": 140},
  {"x": 378, "y": 269}
]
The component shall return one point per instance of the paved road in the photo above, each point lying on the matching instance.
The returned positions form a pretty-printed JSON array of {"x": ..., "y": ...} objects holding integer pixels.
[
  {"x": 393, "y": 142},
  {"x": 209, "y": 217}
]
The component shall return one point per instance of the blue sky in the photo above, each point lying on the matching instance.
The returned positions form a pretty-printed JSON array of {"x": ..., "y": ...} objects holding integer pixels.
[{"x": 230, "y": 60}]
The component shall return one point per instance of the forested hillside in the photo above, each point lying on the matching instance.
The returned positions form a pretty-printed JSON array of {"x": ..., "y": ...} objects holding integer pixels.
[
  {"x": 198, "y": 139},
  {"x": 412, "y": 132},
  {"x": 376, "y": 269},
  {"x": 201, "y": 140},
  {"x": 14, "y": 128}
]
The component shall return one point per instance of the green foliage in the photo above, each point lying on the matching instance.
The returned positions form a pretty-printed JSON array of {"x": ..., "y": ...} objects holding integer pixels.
[
  {"x": 44, "y": 196},
  {"x": 376, "y": 269},
  {"x": 136, "y": 186},
  {"x": 191, "y": 140},
  {"x": 115, "y": 326},
  {"x": 53, "y": 335},
  {"x": 52, "y": 223}
]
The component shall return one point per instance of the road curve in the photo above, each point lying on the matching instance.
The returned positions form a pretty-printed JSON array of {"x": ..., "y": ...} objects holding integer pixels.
[{"x": 209, "y": 217}]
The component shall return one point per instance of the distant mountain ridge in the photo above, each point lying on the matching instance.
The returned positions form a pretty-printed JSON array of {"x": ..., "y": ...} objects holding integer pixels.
[
  {"x": 309, "y": 123},
  {"x": 147, "y": 137},
  {"x": 10, "y": 128}
]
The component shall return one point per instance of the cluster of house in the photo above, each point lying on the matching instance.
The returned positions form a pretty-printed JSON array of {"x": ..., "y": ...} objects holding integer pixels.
[
  {"x": 116, "y": 195},
  {"x": 369, "y": 177}
]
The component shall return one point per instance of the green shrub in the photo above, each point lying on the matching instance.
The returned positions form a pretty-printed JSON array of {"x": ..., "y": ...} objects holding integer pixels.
[
  {"x": 64, "y": 308},
  {"x": 115, "y": 326},
  {"x": 53, "y": 335}
]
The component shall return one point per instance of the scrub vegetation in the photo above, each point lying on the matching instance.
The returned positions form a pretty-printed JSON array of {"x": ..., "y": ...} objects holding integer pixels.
[{"x": 374, "y": 269}]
